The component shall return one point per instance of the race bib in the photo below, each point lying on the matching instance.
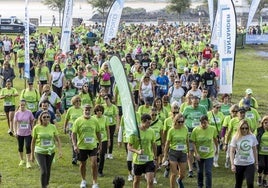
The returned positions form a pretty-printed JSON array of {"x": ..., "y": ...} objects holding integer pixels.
[
  {"x": 45, "y": 142},
  {"x": 30, "y": 106},
  {"x": 145, "y": 64},
  {"x": 195, "y": 123},
  {"x": 7, "y": 103},
  {"x": 88, "y": 140},
  {"x": 264, "y": 148},
  {"x": 102, "y": 135},
  {"x": 163, "y": 87},
  {"x": 24, "y": 125},
  {"x": 249, "y": 115},
  {"x": 244, "y": 158},
  {"x": 181, "y": 147},
  {"x": 42, "y": 78},
  {"x": 204, "y": 149},
  {"x": 209, "y": 82},
  {"x": 143, "y": 158},
  {"x": 70, "y": 125},
  {"x": 110, "y": 119},
  {"x": 68, "y": 102}
]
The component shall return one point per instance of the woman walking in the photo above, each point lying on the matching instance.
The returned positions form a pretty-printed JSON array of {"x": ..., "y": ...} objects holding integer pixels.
[{"x": 243, "y": 155}]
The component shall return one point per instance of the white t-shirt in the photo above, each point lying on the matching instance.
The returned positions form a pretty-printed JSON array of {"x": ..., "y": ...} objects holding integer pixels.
[
  {"x": 175, "y": 95},
  {"x": 78, "y": 83},
  {"x": 197, "y": 93},
  {"x": 244, "y": 153},
  {"x": 57, "y": 79}
]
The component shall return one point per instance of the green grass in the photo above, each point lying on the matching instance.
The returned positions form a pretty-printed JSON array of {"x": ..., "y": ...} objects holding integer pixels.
[{"x": 250, "y": 72}]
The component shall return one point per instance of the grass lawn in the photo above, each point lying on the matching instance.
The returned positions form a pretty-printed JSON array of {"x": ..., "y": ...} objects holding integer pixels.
[{"x": 250, "y": 72}]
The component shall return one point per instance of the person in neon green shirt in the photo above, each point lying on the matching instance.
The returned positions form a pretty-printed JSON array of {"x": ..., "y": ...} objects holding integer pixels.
[
  {"x": 204, "y": 137},
  {"x": 105, "y": 136},
  {"x": 176, "y": 150},
  {"x": 31, "y": 96},
  {"x": 73, "y": 113},
  {"x": 262, "y": 137},
  {"x": 44, "y": 135},
  {"x": 8, "y": 94},
  {"x": 86, "y": 135},
  {"x": 144, "y": 152},
  {"x": 111, "y": 111},
  {"x": 21, "y": 60},
  {"x": 157, "y": 126},
  {"x": 216, "y": 117}
]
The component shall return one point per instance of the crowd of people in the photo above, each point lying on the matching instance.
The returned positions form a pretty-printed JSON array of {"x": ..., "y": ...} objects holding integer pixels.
[{"x": 173, "y": 75}]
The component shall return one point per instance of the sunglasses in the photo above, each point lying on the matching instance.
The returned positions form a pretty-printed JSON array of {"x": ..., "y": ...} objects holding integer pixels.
[
  {"x": 175, "y": 112},
  {"x": 153, "y": 114},
  {"x": 180, "y": 121},
  {"x": 78, "y": 100},
  {"x": 234, "y": 111},
  {"x": 46, "y": 117},
  {"x": 177, "y": 82},
  {"x": 85, "y": 86},
  {"x": 244, "y": 128}
]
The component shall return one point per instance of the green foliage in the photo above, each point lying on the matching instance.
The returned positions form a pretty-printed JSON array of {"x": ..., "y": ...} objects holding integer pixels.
[
  {"x": 55, "y": 5},
  {"x": 178, "y": 6}
]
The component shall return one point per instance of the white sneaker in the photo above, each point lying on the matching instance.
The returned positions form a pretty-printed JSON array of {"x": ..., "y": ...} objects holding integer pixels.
[
  {"x": 227, "y": 164},
  {"x": 22, "y": 162},
  {"x": 215, "y": 164},
  {"x": 155, "y": 182},
  {"x": 83, "y": 184},
  {"x": 110, "y": 156},
  {"x": 130, "y": 177},
  {"x": 95, "y": 186}
]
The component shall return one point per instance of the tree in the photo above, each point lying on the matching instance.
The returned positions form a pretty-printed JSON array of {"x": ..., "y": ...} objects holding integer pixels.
[
  {"x": 178, "y": 6},
  {"x": 101, "y": 6},
  {"x": 56, "y": 5}
]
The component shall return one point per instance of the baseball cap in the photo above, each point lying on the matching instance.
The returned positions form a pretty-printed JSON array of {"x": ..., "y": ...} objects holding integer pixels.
[
  {"x": 248, "y": 91},
  {"x": 195, "y": 69}
]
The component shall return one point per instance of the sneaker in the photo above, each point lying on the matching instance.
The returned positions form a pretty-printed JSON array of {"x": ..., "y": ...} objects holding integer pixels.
[
  {"x": 130, "y": 177},
  {"x": 95, "y": 186},
  {"x": 215, "y": 164},
  {"x": 166, "y": 173},
  {"x": 179, "y": 182},
  {"x": 28, "y": 165},
  {"x": 10, "y": 132},
  {"x": 190, "y": 174},
  {"x": 194, "y": 166},
  {"x": 259, "y": 181},
  {"x": 264, "y": 183},
  {"x": 83, "y": 184},
  {"x": 227, "y": 164},
  {"x": 100, "y": 174},
  {"x": 110, "y": 156},
  {"x": 22, "y": 162},
  {"x": 155, "y": 182},
  {"x": 74, "y": 161}
]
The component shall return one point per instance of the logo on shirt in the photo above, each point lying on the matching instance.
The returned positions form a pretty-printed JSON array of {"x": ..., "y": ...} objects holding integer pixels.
[{"x": 244, "y": 145}]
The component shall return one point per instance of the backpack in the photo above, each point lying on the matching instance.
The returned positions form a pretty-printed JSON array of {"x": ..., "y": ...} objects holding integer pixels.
[{"x": 106, "y": 76}]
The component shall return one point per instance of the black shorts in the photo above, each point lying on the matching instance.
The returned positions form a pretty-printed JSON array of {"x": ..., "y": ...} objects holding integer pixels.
[
  {"x": 140, "y": 169},
  {"x": 9, "y": 108},
  {"x": 84, "y": 154},
  {"x": 21, "y": 65},
  {"x": 263, "y": 164},
  {"x": 177, "y": 156}
]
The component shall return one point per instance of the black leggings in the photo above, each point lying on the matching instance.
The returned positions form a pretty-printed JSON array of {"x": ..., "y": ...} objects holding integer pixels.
[
  {"x": 246, "y": 172},
  {"x": 45, "y": 162},
  {"x": 28, "y": 140},
  {"x": 102, "y": 156},
  {"x": 111, "y": 130}
]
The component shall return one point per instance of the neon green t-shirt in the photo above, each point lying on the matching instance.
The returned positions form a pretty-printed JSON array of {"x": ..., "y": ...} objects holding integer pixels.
[
  {"x": 158, "y": 128},
  {"x": 72, "y": 114},
  {"x": 178, "y": 139},
  {"x": 147, "y": 140},
  {"x": 264, "y": 144},
  {"x": 192, "y": 116},
  {"x": 44, "y": 136},
  {"x": 32, "y": 99},
  {"x": 204, "y": 141},
  {"x": 9, "y": 101},
  {"x": 111, "y": 112},
  {"x": 86, "y": 130}
]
